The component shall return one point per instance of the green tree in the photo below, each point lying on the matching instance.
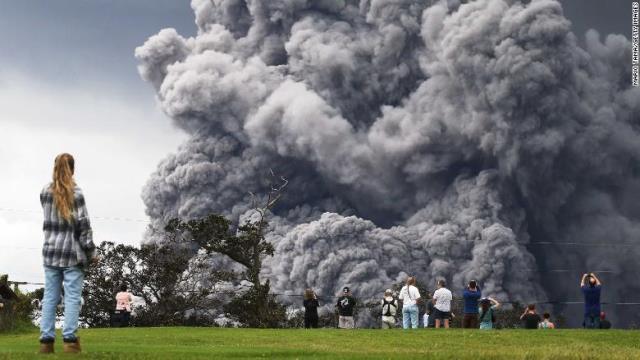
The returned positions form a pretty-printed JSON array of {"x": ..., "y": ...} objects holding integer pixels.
[
  {"x": 245, "y": 245},
  {"x": 171, "y": 278}
]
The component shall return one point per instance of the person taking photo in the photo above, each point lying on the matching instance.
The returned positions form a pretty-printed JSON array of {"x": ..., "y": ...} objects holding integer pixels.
[{"x": 591, "y": 288}]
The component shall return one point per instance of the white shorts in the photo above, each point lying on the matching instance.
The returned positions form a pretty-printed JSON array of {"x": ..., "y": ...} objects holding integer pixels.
[{"x": 346, "y": 322}]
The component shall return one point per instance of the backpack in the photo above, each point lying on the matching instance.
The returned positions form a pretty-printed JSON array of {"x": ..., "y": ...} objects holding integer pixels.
[{"x": 389, "y": 304}]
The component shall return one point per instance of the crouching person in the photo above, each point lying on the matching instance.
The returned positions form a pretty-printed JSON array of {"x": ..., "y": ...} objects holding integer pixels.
[{"x": 389, "y": 308}]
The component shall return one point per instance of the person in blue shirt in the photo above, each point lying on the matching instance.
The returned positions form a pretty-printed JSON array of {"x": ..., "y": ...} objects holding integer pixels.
[
  {"x": 471, "y": 296},
  {"x": 591, "y": 288}
]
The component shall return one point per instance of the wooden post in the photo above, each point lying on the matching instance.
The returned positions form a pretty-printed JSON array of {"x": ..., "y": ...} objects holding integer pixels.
[{"x": 4, "y": 319}]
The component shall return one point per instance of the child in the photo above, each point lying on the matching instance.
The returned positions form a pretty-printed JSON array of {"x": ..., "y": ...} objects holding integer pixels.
[{"x": 546, "y": 323}]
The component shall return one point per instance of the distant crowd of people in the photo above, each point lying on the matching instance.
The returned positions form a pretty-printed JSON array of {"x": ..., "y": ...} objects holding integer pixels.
[
  {"x": 68, "y": 250},
  {"x": 478, "y": 312}
]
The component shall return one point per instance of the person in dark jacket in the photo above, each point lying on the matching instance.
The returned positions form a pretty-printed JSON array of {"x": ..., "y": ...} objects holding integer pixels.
[
  {"x": 530, "y": 319},
  {"x": 471, "y": 296},
  {"x": 428, "y": 318},
  {"x": 591, "y": 288},
  {"x": 310, "y": 309},
  {"x": 346, "y": 303}
]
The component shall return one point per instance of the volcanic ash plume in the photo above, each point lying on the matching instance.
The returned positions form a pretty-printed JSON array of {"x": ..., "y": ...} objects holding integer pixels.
[{"x": 442, "y": 139}]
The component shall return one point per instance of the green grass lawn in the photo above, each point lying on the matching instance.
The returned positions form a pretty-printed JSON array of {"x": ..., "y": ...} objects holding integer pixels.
[{"x": 207, "y": 343}]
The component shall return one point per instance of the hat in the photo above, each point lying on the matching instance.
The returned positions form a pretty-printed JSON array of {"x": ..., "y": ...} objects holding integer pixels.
[
  {"x": 346, "y": 289},
  {"x": 388, "y": 291}
]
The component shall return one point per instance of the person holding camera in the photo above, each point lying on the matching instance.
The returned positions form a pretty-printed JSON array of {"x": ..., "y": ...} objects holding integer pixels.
[
  {"x": 530, "y": 319},
  {"x": 345, "y": 305},
  {"x": 486, "y": 310},
  {"x": 311, "y": 305},
  {"x": 471, "y": 295},
  {"x": 410, "y": 297},
  {"x": 591, "y": 288}
]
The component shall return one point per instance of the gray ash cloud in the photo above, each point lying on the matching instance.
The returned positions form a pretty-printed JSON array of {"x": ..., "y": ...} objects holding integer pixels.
[{"x": 437, "y": 138}]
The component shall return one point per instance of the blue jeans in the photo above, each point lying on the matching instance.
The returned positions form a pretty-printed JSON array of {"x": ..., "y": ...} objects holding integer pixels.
[
  {"x": 410, "y": 313},
  {"x": 592, "y": 321},
  {"x": 55, "y": 277}
]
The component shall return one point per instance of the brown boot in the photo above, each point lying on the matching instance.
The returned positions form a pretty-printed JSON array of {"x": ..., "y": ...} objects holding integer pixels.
[
  {"x": 72, "y": 346},
  {"x": 46, "y": 348}
]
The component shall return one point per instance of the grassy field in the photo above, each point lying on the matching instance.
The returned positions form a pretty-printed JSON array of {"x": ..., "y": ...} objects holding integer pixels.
[{"x": 208, "y": 343}]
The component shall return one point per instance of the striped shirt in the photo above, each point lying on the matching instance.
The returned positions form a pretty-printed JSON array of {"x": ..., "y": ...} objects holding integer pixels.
[{"x": 66, "y": 243}]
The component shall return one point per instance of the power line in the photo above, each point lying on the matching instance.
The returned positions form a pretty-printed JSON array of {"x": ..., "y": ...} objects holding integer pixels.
[
  {"x": 128, "y": 219},
  {"x": 103, "y": 218},
  {"x": 582, "y": 244},
  {"x": 40, "y": 248}
]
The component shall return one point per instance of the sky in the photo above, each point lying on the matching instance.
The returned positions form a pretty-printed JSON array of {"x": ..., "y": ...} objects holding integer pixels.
[{"x": 69, "y": 83}]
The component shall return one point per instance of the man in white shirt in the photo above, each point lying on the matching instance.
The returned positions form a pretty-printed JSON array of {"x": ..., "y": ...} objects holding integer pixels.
[
  {"x": 410, "y": 296},
  {"x": 442, "y": 300}
]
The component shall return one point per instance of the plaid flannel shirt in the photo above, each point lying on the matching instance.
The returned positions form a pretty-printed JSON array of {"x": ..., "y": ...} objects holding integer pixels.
[{"x": 66, "y": 243}]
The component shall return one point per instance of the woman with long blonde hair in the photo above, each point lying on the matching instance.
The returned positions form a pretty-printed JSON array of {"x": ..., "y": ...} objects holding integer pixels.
[
  {"x": 410, "y": 297},
  {"x": 67, "y": 250}
]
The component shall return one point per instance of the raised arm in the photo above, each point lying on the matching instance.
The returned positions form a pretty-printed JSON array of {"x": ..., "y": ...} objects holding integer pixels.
[
  {"x": 495, "y": 302},
  {"x": 584, "y": 276},
  {"x": 524, "y": 313},
  {"x": 597, "y": 280}
]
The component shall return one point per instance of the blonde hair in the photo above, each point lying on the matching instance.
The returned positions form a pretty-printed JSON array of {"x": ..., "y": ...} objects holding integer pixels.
[
  {"x": 308, "y": 294},
  {"x": 63, "y": 185}
]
